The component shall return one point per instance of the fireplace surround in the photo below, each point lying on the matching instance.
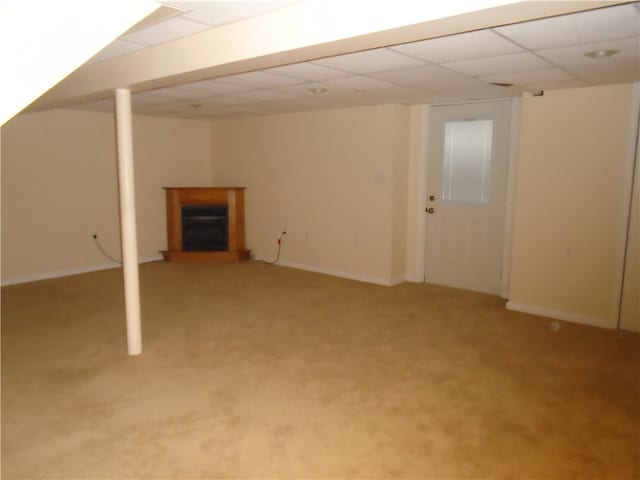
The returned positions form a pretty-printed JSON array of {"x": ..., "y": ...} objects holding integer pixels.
[{"x": 205, "y": 224}]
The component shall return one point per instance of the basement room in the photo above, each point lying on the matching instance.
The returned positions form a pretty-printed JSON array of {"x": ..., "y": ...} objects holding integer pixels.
[{"x": 309, "y": 239}]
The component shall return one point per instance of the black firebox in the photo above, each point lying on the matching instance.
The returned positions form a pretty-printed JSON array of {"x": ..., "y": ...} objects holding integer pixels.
[{"x": 205, "y": 228}]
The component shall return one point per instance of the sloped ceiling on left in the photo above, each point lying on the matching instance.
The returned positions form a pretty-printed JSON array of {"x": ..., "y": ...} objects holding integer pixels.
[{"x": 41, "y": 42}]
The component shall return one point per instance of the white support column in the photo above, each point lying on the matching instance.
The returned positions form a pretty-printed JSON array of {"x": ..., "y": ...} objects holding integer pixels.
[{"x": 124, "y": 134}]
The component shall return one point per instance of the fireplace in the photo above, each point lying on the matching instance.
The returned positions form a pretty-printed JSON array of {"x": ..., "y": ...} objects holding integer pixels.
[
  {"x": 204, "y": 228},
  {"x": 205, "y": 224}
]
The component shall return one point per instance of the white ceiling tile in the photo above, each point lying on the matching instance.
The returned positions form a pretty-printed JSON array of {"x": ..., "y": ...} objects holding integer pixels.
[
  {"x": 319, "y": 101},
  {"x": 163, "y": 13},
  {"x": 367, "y": 98},
  {"x": 397, "y": 74},
  {"x": 295, "y": 104},
  {"x": 169, "y": 94},
  {"x": 227, "y": 100},
  {"x": 487, "y": 92},
  {"x": 477, "y": 92},
  {"x": 628, "y": 47},
  {"x": 400, "y": 91},
  {"x": 432, "y": 77},
  {"x": 525, "y": 78},
  {"x": 555, "y": 85},
  {"x": 413, "y": 76},
  {"x": 223, "y": 12},
  {"x": 304, "y": 90},
  {"x": 456, "y": 48},
  {"x": 142, "y": 110},
  {"x": 230, "y": 113},
  {"x": 116, "y": 49},
  {"x": 166, "y": 109},
  {"x": 153, "y": 96},
  {"x": 575, "y": 29},
  {"x": 614, "y": 71},
  {"x": 358, "y": 82},
  {"x": 445, "y": 99},
  {"x": 395, "y": 94},
  {"x": 308, "y": 71},
  {"x": 454, "y": 86},
  {"x": 191, "y": 115},
  {"x": 377, "y": 60},
  {"x": 97, "y": 106},
  {"x": 258, "y": 80},
  {"x": 471, "y": 95},
  {"x": 175, "y": 93},
  {"x": 188, "y": 110},
  {"x": 419, "y": 98},
  {"x": 515, "y": 62},
  {"x": 263, "y": 95},
  {"x": 212, "y": 109},
  {"x": 208, "y": 88},
  {"x": 163, "y": 32}
]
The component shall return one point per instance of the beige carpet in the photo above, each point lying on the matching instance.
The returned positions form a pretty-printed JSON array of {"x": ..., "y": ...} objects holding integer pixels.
[{"x": 255, "y": 371}]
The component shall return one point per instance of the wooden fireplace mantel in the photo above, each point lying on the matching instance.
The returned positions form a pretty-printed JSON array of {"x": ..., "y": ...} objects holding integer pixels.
[{"x": 232, "y": 197}]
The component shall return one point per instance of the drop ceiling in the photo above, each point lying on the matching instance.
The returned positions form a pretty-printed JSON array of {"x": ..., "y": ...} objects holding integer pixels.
[{"x": 533, "y": 56}]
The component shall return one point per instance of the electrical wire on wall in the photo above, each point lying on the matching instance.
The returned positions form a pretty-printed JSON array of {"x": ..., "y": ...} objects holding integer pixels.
[
  {"x": 279, "y": 241},
  {"x": 103, "y": 251}
]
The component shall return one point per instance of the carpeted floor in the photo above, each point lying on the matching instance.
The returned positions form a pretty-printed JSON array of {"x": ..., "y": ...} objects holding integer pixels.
[{"x": 256, "y": 371}]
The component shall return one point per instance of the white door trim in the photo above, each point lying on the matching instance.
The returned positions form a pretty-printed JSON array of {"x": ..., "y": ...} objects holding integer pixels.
[
  {"x": 514, "y": 134},
  {"x": 422, "y": 185},
  {"x": 626, "y": 202},
  {"x": 421, "y": 230}
]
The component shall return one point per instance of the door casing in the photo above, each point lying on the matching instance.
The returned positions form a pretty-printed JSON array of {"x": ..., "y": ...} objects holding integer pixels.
[{"x": 422, "y": 191}]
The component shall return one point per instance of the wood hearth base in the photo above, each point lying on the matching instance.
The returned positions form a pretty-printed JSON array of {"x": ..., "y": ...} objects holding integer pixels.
[{"x": 209, "y": 257}]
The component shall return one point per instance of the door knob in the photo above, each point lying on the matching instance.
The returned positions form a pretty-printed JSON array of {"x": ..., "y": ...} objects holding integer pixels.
[
  {"x": 432, "y": 198},
  {"x": 430, "y": 210}
]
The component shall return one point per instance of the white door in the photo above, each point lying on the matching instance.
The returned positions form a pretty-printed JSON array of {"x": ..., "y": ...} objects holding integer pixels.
[{"x": 466, "y": 193}]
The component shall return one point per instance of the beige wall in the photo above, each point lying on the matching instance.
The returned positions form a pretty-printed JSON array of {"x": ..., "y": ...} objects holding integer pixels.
[
  {"x": 335, "y": 179},
  {"x": 59, "y": 187},
  {"x": 569, "y": 222}
]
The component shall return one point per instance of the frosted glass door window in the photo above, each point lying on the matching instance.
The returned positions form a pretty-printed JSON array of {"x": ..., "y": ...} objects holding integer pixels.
[{"x": 466, "y": 167}]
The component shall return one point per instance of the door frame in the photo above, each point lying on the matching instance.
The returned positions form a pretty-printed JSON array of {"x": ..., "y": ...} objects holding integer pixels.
[
  {"x": 633, "y": 147},
  {"x": 421, "y": 231}
]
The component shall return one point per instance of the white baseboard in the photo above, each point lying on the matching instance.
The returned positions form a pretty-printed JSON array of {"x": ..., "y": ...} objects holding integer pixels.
[
  {"x": 398, "y": 280},
  {"x": 74, "y": 271},
  {"x": 337, "y": 273},
  {"x": 561, "y": 315},
  {"x": 413, "y": 279}
]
